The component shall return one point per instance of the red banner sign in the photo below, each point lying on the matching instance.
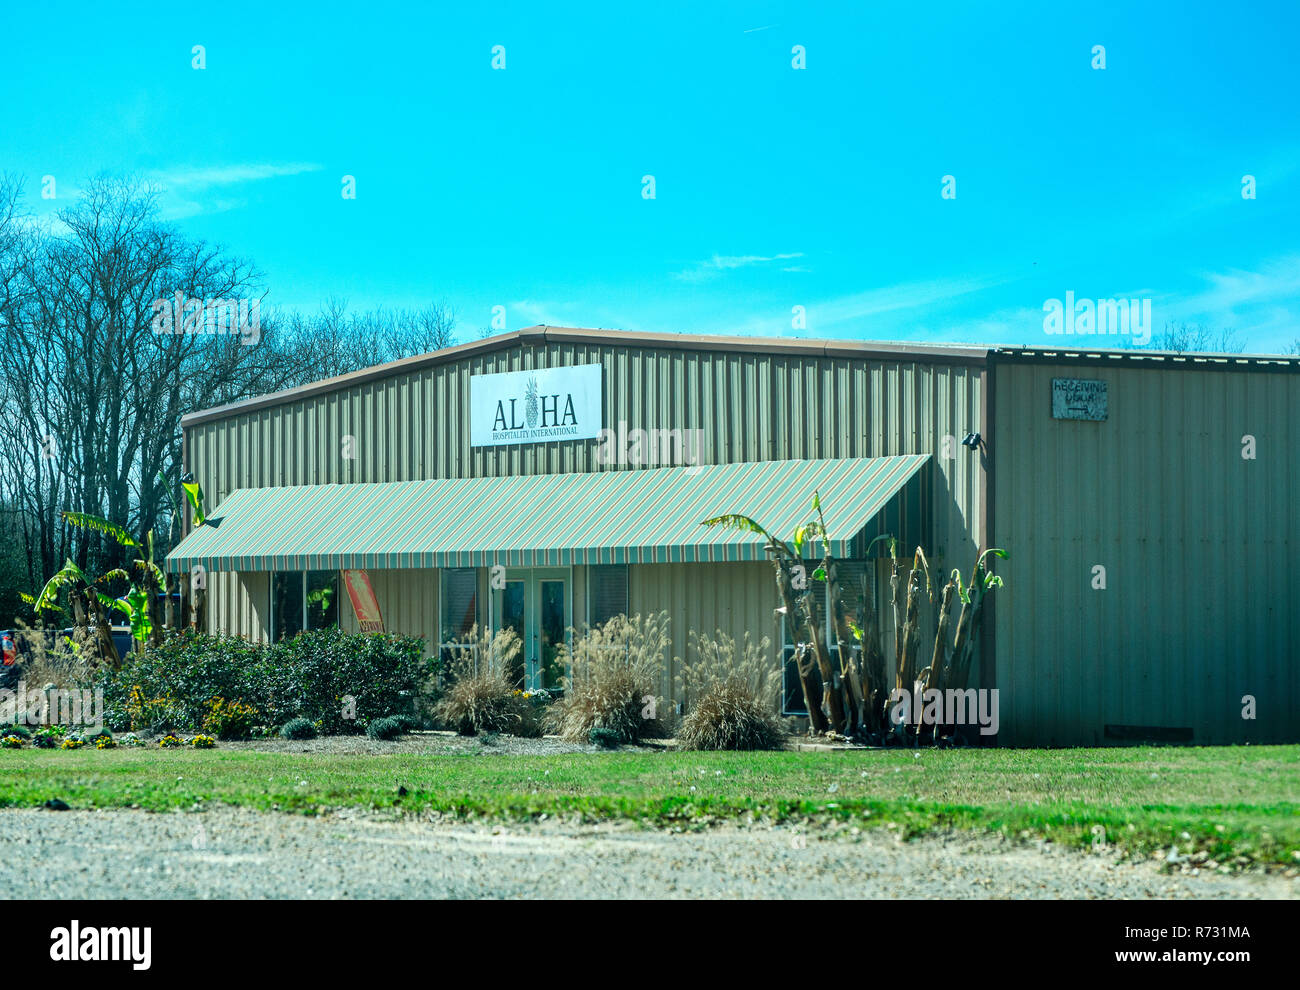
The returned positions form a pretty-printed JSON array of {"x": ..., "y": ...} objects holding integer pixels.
[{"x": 364, "y": 602}]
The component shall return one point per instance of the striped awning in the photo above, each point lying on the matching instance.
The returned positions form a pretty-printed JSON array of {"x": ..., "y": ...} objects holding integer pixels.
[{"x": 605, "y": 517}]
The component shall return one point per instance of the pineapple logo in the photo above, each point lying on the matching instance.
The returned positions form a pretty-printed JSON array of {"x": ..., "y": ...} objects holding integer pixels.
[{"x": 530, "y": 403}]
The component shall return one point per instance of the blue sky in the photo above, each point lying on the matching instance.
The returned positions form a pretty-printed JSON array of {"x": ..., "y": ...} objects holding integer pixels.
[{"x": 775, "y": 187}]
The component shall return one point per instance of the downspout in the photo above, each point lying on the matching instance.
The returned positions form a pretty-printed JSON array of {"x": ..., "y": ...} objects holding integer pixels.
[{"x": 987, "y": 492}]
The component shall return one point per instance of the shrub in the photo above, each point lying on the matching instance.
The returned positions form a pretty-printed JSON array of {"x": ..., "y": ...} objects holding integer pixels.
[
  {"x": 612, "y": 675},
  {"x": 16, "y": 729},
  {"x": 604, "y": 738},
  {"x": 298, "y": 728},
  {"x": 130, "y": 739},
  {"x": 172, "y": 685},
  {"x": 384, "y": 728},
  {"x": 312, "y": 674},
  {"x": 229, "y": 719},
  {"x": 176, "y": 684},
  {"x": 481, "y": 697},
  {"x": 731, "y": 699}
]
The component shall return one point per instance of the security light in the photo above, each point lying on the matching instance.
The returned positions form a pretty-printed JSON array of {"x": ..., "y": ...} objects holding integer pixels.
[{"x": 972, "y": 440}]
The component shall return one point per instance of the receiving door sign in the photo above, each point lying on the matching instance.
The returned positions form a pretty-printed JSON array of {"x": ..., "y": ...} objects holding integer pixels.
[
  {"x": 545, "y": 404},
  {"x": 1078, "y": 398},
  {"x": 364, "y": 602}
]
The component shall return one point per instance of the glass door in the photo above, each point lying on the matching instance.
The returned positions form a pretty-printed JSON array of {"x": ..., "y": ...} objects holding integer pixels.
[
  {"x": 509, "y": 613},
  {"x": 537, "y": 604},
  {"x": 552, "y": 622}
]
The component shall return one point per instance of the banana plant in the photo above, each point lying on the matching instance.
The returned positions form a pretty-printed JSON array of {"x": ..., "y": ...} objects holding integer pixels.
[
  {"x": 864, "y": 629},
  {"x": 784, "y": 560},
  {"x": 138, "y": 603},
  {"x": 135, "y": 606},
  {"x": 982, "y": 581},
  {"x": 194, "y": 495},
  {"x": 88, "y": 611},
  {"x": 840, "y": 704},
  {"x": 846, "y": 679}
]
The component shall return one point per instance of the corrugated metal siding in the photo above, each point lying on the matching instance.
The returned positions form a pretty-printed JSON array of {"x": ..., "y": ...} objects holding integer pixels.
[
  {"x": 705, "y": 598},
  {"x": 242, "y": 600},
  {"x": 1200, "y": 547},
  {"x": 408, "y": 601},
  {"x": 749, "y": 406}
]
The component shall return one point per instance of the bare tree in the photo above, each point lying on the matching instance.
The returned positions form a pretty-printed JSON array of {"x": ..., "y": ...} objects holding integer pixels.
[
  {"x": 103, "y": 357},
  {"x": 1188, "y": 338},
  {"x": 340, "y": 341}
]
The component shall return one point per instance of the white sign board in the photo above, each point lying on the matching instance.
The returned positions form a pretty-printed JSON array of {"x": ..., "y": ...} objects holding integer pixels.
[
  {"x": 1078, "y": 398},
  {"x": 539, "y": 406}
]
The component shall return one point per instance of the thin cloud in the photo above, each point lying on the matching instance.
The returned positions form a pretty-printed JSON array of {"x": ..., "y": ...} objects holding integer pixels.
[
  {"x": 890, "y": 312},
  {"x": 1263, "y": 306},
  {"x": 704, "y": 270},
  {"x": 896, "y": 298},
  {"x": 189, "y": 191},
  {"x": 225, "y": 175}
]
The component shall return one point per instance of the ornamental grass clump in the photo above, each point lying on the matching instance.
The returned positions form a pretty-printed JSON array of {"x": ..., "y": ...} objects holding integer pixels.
[
  {"x": 729, "y": 695},
  {"x": 482, "y": 695},
  {"x": 611, "y": 680}
]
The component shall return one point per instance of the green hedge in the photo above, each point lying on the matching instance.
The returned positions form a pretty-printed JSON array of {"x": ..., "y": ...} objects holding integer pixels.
[{"x": 175, "y": 685}]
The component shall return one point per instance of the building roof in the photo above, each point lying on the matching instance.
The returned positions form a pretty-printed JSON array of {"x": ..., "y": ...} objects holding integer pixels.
[
  {"x": 889, "y": 350},
  {"x": 862, "y": 349},
  {"x": 1199, "y": 360}
]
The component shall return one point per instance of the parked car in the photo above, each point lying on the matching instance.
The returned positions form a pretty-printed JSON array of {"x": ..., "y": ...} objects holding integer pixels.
[
  {"x": 9, "y": 656},
  {"x": 122, "y": 638}
]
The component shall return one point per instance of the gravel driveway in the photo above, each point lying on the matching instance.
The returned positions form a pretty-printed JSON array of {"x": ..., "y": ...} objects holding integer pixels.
[{"x": 247, "y": 854}]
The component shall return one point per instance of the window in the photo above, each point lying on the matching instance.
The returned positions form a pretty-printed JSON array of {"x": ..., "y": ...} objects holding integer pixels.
[
  {"x": 792, "y": 699},
  {"x": 286, "y": 605},
  {"x": 855, "y": 581},
  {"x": 322, "y": 599},
  {"x": 607, "y": 592},
  {"x": 459, "y": 611},
  {"x": 303, "y": 600}
]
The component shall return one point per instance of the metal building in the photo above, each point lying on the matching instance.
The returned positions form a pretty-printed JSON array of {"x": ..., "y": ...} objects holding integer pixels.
[{"x": 1148, "y": 503}]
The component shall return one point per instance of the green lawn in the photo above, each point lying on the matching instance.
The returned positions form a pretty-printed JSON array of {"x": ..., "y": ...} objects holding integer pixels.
[{"x": 1230, "y": 802}]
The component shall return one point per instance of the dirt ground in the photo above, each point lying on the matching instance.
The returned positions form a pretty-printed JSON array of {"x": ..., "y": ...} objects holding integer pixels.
[{"x": 238, "y": 853}]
